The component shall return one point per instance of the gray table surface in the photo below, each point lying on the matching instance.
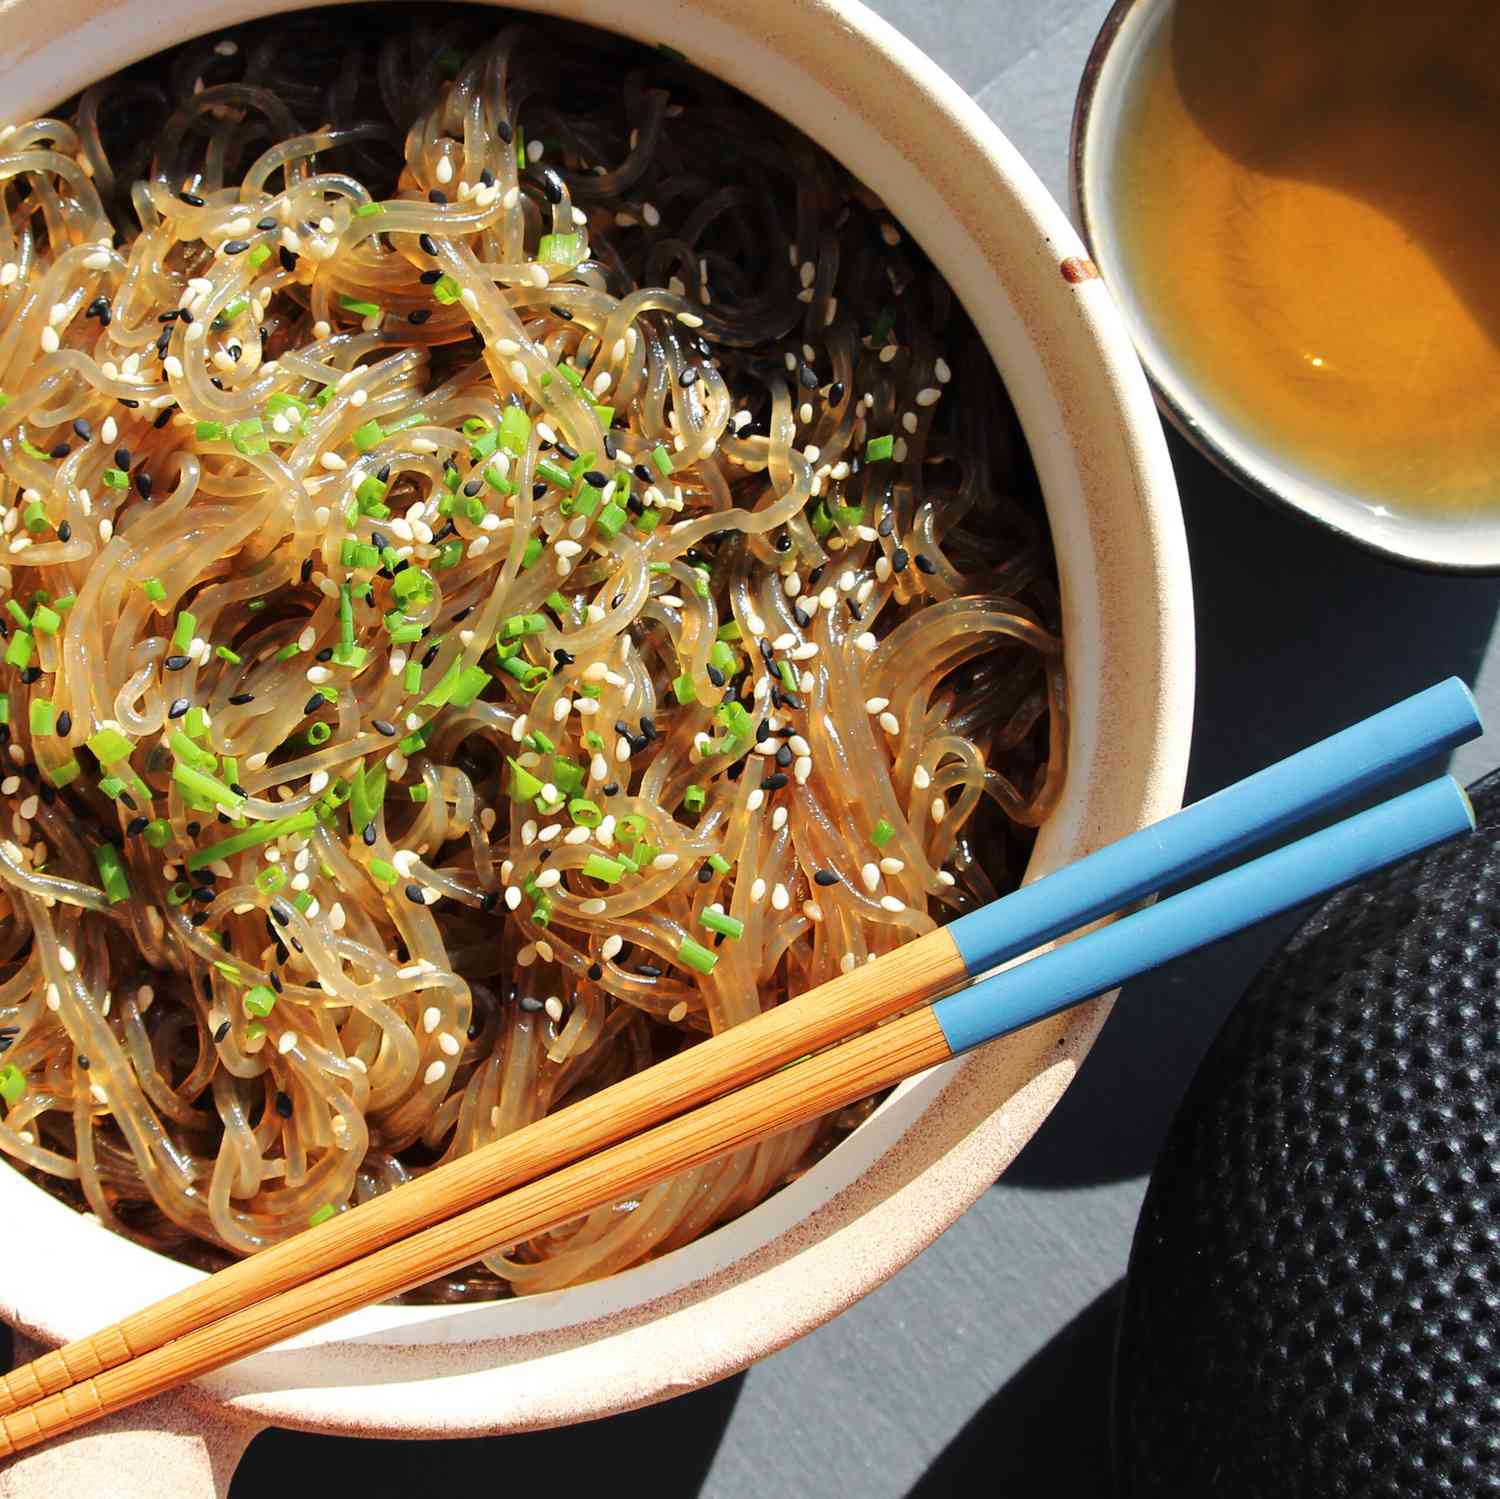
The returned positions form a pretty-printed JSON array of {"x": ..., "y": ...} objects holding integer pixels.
[{"x": 987, "y": 1362}]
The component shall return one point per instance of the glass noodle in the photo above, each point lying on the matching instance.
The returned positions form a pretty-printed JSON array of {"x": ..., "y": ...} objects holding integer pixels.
[{"x": 512, "y": 563}]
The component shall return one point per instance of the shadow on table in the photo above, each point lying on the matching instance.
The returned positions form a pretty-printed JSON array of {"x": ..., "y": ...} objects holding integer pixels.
[
  {"x": 668, "y": 1447},
  {"x": 1047, "y": 1429},
  {"x": 1269, "y": 586}
]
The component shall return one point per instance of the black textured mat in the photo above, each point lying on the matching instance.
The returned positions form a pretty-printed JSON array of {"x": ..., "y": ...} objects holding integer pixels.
[{"x": 1313, "y": 1304}]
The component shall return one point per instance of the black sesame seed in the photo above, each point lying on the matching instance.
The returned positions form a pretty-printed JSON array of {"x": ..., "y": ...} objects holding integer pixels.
[
  {"x": 239, "y": 699},
  {"x": 783, "y": 542},
  {"x": 197, "y": 918},
  {"x": 420, "y": 316},
  {"x": 194, "y": 828},
  {"x": 552, "y": 185},
  {"x": 531, "y": 1005},
  {"x": 82, "y": 428},
  {"x": 97, "y": 308},
  {"x": 610, "y": 446},
  {"x": 382, "y": 727},
  {"x": 836, "y": 393},
  {"x": 775, "y": 782},
  {"x": 612, "y": 788},
  {"x": 122, "y": 457},
  {"x": 47, "y": 794},
  {"x": 486, "y": 178},
  {"x": 925, "y": 564},
  {"x": 288, "y": 259},
  {"x": 236, "y": 246},
  {"x": 369, "y": 834},
  {"x": 816, "y": 575},
  {"x": 715, "y": 675},
  {"x": 462, "y": 614},
  {"x": 792, "y": 701},
  {"x": 571, "y": 454},
  {"x": 472, "y": 488},
  {"x": 179, "y": 707},
  {"x": 649, "y": 971},
  {"x": 430, "y": 656},
  {"x": 899, "y": 558},
  {"x": 162, "y": 418},
  {"x": 561, "y": 312},
  {"x": 430, "y": 278},
  {"x": 127, "y": 402},
  {"x": 415, "y": 896},
  {"x": 221, "y": 1032},
  {"x": 825, "y": 877},
  {"x": 594, "y": 477},
  {"x": 280, "y": 914},
  {"x": 807, "y": 377},
  {"x": 169, "y": 317},
  {"x": 643, "y": 473},
  {"x": 705, "y": 873},
  {"x": 803, "y": 618},
  {"x": 504, "y": 131},
  {"x": 313, "y": 704},
  {"x": 689, "y": 376},
  {"x": 60, "y": 450},
  {"x": 136, "y": 826},
  {"x": 326, "y": 654},
  {"x": 203, "y": 894},
  {"x": 83, "y": 1061},
  {"x": 65, "y": 531},
  {"x": 784, "y": 756},
  {"x": 283, "y": 1104},
  {"x": 31, "y": 674},
  {"x": 276, "y": 983},
  {"x": 192, "y": 200},
  {"x": 143, "y": 482},
  {"x": 596, "y": 972},
  {"x": 886, "y": 526},
  {"x": 437, "y": 195}
]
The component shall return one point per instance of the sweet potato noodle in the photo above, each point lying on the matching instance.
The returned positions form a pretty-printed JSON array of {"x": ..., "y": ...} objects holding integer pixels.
[{"x": 512, "y": 563}]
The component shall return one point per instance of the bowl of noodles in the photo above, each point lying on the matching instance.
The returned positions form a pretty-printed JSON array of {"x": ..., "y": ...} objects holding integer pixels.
[{"x": 523, "y": 546}]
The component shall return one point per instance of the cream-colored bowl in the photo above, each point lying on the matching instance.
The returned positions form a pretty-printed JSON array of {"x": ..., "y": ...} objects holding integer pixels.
[{"x": 704, "y": 1311}]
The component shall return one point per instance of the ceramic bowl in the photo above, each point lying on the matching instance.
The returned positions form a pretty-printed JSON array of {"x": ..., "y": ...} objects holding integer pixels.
[
  {"x": 707, "y": 1310},
  {"x": 1126, "y": 39}
]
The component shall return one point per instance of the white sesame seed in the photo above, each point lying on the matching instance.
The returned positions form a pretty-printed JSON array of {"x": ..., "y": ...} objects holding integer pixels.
[
  {"x": 908, "y": 421},
  {"x": 866, "y": 642},
  {"x": 891, "y": 866},
  {"x": 929, "y": 395},
  {"x": 806, "y": 651},
  {"x": 664, "y": 861},
  {"x": 50, "y": 341},
  {"x": 755, "y": 801},
  {"x": 921, "y": 778},
  {"x": 801, "y": 769},
  {"x": 434, "y": 1073},
  {"x": 29, "y": 808},
  {"x": 54, "y": 997},
  {"x": 448, "y": 1042},
  {"x": 8, "y": 273},
  {"x": 66, "y": 959},
  {"x": 939, "y": 809},
  {"x": 592, "y": 907},
  {"x": 944, "y": 878},
  {"x": 890, "y": 723},
  {"x": 98, "y": 261},
  {"x": 870, "y": 874},
  {"x": 431, "y": 1018},
  {"x": 778, "y": 819},
  {"x": 758, "y": 890},
  {"x": 891, "y": 903},
  {"x": 318, "y": 781},
  {"x": 941, "y": 370},
  {"x": 318, "y": 675},
  {"x": 611, "y": 948},
  {"x": 512, "y": 897},
  {"x": 288, "y": 1042},
  {"x": 848, "y": 963},
  {"x": 548, "y": 878}
]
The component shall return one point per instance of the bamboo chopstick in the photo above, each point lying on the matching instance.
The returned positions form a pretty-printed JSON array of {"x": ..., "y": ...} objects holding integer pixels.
[
  {"x": 1263, "y": 804},
  {"x": 815, "y": 1085}
]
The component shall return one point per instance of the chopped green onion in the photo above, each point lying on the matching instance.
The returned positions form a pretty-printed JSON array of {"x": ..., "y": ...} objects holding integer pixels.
[
  {"x": 109, "y": 746},
  {"x": 719, "y": 864},
  {"x": 882, "y": 833},
  {"x": 584, "y": 812},
  {"x": 225, "y": 654},
  {"x": 66, "y": 773},
  {"x": 260, "y": 1001},
  {"x": 879, "y": 448},
  {"x": 725, "y": 925},
  {"x": 42, "y": 716},
  {"x": 182, "y": 632},
  {"x": 694, "y": 797},
  {"x": 682, "y": 689},
  {"x": 384, "y": 872},
  {"x": 111, "y": 869},
  {"x": 18, "y": 652},
  {"x": 270, "y": 879},
  {"x": 367, "y": 436},
  {"x": 417, "y": 793},
  {"x": 12, "y": 1083},
  {"x": 158, "y": 832},
  {"x": 695, "y": 955},
  {"x": 567, "y": 774},
  {"x": 36, "y": 517},
  {"x": 249, "y": 437},
  {"x": 324, "y": 1211},
  {"x": 523, "y": 624},
  {"x": 611, "y": 521},
  {"x": 597, "y": 867},
  {"x": 205, "y": 432},
  {"x": 205, "y": 786},
  {"x": 364, "y": 309},
  {"x": 45, "y": 621},
  {"x": 553, "y": 473},
  {"x": 523, "y": 786},
  {"x": 472, "y": 681},
  {"x": 446, "y": 290},
  {"x": 560, "y": 249},
  {"x": 253, "y": 836},
  {"x": 258, "y": 257},
  {"x": 661, "y": 460}
]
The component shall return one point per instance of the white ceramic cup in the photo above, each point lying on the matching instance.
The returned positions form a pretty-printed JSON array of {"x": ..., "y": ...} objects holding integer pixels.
[{"x": 703, "y": 1312}]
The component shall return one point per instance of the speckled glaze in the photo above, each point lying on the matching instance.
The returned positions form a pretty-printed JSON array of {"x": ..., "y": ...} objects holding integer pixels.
[{"x": 705, "y": 1311}]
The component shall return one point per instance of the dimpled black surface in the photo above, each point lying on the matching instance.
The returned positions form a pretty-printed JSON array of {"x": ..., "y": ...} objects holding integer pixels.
[{"x": 1313, "y": 1304}]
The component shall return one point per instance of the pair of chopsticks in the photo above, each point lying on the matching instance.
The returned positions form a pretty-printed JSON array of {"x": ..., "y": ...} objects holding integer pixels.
[{"x": 739, "y": 1087}]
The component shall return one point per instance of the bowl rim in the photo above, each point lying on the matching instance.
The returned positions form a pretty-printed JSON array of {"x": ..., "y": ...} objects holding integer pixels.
[
  {"x": 1096, "y": 439},
  {"x": 1193, "y": 419}
]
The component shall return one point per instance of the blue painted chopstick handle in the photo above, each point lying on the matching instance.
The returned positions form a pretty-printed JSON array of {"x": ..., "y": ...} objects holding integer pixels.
[
  {"x": 1273, "y": 883},
  {"x": 1325, "y": 774}
]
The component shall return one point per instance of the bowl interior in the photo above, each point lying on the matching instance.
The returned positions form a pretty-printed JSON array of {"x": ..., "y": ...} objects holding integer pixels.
[
  {"x": 878, "y": 105},
  {"x": 1129, "y": 36}
]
